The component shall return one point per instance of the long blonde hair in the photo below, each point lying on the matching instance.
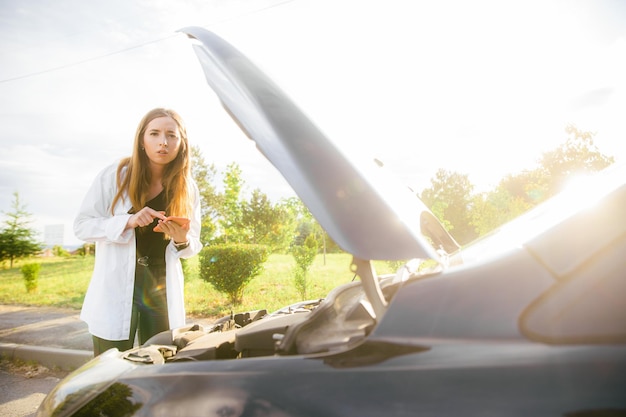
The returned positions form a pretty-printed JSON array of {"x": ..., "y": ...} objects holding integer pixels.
[{"x": 133, "y": 173}]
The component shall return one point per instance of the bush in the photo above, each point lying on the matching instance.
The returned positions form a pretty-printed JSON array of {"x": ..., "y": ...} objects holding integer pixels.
[
  {"x": 230, "y": 267},
  {"x": 31, "y": 276},
  {"x": 60, "y": 251},
  {"x": 189, "y": 268},
  {"x": 86, "y": 249},
  {"x": 395, "y": 265},
  {"x": 304, "y": 256}
]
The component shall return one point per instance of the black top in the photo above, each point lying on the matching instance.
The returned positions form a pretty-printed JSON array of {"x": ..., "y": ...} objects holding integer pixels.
[{"x": 149, "y": 242}]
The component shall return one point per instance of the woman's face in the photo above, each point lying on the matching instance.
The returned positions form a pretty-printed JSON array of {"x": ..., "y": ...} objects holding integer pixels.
[{"x": 161, "y": 140}]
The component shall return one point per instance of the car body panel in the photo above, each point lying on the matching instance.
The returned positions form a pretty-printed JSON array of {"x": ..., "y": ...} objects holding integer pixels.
[
  {"x": 476, "y": 380},
  {"x": 462, "y": 303},
  {"x": 364, "y": 212}
]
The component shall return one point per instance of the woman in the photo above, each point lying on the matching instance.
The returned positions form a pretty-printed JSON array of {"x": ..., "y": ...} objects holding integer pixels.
[{"x": 137, "y": 282}]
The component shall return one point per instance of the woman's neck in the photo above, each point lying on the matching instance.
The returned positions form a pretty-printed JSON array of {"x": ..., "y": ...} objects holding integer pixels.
[{"x": 156, "y": 181}]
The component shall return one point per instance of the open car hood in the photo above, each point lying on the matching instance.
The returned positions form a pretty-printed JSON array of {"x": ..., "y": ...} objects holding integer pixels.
[{"x": 367, "y": 215}]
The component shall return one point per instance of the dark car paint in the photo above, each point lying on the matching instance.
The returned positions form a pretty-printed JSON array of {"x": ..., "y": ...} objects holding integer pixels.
[
  {"x": 479, "y": 379},
  {"x": 474, "y": 303}
]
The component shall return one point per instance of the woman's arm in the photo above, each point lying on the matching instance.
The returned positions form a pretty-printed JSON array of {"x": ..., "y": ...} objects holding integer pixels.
[
  {"x": 94, "y": 221},
  {"x": 192, "y": 234}
]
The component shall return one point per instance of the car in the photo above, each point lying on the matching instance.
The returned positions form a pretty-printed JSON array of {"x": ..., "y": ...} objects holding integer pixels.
[{"x": 529, "y": 320}]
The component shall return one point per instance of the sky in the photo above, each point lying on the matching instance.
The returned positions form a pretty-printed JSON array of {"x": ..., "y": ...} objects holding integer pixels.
[{"x": 482, "y": 88}]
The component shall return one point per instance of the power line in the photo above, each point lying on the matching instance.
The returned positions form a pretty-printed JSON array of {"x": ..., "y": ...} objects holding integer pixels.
[
  {"x": 73, "y": 64},
  {"x": 141, "y": 45}
]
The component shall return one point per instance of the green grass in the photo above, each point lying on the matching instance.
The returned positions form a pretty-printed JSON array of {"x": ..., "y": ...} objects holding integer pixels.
[{"x": 63, "y": 282}]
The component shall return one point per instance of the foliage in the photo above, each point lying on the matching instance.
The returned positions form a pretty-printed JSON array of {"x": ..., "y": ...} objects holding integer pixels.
[
  {"x": 305, "y": 224},
  {"x": 495, "y": 208},
  {"x": 204, "y": 176},
  {"x": 395, "y": 265},
  {"x": 304, "y": 255},
  {"x": 578, "y": 155},
  {"x": 257, "y": 220},
  {"x": 267, "y": 224},
  {"x": 231, "y": 209},
  {"x": 189, "y": 268},
  {"x": 17, "y": 240},
  {"x": 229, "y": 218},
  {"x": 468, "y": 215},
  {"x": 30, "y": 272},
  {"x": 439, "y": 210},
  {"x": 58, "y": 250},
  {"x": 298, "y": 213},
  {"x": 450, "y": 199},
  {"x": 303, "y": 220},
  {"x": 230, "y": 267},
  {"x": 87, "y": 249}
]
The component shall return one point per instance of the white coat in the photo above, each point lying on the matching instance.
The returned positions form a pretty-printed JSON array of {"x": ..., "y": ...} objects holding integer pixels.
[{"x": 108, "y": 303}]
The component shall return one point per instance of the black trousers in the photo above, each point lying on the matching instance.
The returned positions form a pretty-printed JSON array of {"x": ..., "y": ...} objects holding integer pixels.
[{"x": 149, "y": 315}]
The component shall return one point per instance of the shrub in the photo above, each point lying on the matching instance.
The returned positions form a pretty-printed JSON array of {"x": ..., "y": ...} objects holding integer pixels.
[
  {"x": 395, "y": 265},
  {"x": 189, "y": 268},
  {"x": 30, "y": 272},
  {"x": 86, "y": 249},
  {"x": 304, "y": 256},
  {"x": 60, "y": 251},
  {"x": 230, "y": 267}
]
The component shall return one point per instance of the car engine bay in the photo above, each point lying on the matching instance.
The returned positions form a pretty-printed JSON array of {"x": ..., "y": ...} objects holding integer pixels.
[{"x": 332, "y": 324}]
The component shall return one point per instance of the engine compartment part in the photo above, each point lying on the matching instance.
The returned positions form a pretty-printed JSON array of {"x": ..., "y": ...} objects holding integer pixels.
[{"x": 248, "y": 334}]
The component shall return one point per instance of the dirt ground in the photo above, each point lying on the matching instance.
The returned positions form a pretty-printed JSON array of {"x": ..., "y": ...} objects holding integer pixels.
[
  {"x": 23, "y": 386},
  {"x": 29, "y": 370}
]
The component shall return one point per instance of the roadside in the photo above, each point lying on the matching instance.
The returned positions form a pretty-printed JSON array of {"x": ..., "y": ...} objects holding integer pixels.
[
  {"x": 30, "y": 370},
  {"x": 51, "y": 327},
  {"x": 23, "y": 387},
  {"x": 38, "y": 347},
  {"x": 52, "y": 337}
]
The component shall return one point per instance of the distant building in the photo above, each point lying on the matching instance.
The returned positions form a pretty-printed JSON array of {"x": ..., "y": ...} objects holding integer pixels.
[{"x": 54, "y": 235}]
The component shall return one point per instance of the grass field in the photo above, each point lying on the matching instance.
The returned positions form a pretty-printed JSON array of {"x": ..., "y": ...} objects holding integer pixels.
[{"x": 63, "y": 282}]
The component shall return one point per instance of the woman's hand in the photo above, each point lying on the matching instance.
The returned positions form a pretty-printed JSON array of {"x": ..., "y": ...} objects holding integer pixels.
[
  {"x": 144, "y": 217},
  {"x": 177, "y": 232}
]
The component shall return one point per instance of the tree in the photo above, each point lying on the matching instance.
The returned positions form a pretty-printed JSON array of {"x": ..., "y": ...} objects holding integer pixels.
[
  {"x": 60, "y": 251},
  {"x": 266, "y": 223},
  {"x": 528, "y": 186},
  {"x": 17, "y": 240},
  {"x": 518, "y": 193},
  {"x": 301, "y": 217},
  {"x": 87, "y": 249},
  {"x": 578, "y": 155},
  {"x": 450, "y": 199},
  {"x": 231, "y": 209},
  {"x": 495, "y": 208},
  {"x": 204, "y": 175}
]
